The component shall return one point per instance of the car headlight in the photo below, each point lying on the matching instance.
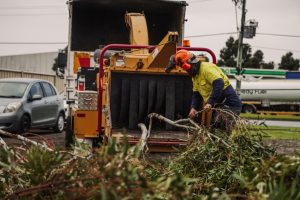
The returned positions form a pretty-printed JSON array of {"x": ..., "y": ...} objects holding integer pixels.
[{"x": 12, "y": 107}]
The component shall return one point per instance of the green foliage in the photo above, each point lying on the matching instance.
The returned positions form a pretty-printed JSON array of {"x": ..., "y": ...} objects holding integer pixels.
[
  {"x": 277, "y": 178},
  {"x": 39, "y": 165},
  {"x": 269, "y": 65},
  {"x": 289, "y": 63},
  {"x": 235, "y": 166},
  {"x": 214, "y": 164},
  {"x": 256, "y": 60},
  {"x": 229, "y": 53},
  {"x": 112, "y": 172}
]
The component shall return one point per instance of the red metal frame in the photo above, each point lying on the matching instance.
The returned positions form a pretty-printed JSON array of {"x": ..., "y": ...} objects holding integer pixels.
[
  {"x": 127, "y": 46},
  {"x": 212, "y": 54}
]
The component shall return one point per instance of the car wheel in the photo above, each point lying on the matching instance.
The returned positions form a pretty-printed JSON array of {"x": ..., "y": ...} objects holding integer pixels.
[
  {"x": 60, "y": 123},
  {"x": 24, "y": 125}
]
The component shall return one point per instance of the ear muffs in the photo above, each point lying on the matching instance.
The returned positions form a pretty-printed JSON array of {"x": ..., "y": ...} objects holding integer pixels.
[{"x": 186, "y": 66}]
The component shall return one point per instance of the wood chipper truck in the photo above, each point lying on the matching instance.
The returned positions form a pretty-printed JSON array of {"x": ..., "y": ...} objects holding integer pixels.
[{"x": 115, "y": 74}]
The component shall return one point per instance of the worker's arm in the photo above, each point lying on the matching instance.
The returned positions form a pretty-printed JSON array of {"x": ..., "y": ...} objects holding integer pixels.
[
  {"x": 218, "y": 86},
  {"x": 195, "y": 105},
  {"x": 196, "y": 100}
]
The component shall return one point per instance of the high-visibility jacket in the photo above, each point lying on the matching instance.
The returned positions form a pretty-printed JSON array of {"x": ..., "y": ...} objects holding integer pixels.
[{"x": 203, "y": 81}]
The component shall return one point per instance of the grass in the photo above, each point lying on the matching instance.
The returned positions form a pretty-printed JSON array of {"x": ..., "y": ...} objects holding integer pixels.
[
  {"x": 280, "y": 133},
  {"x": 271, "y": 117}
]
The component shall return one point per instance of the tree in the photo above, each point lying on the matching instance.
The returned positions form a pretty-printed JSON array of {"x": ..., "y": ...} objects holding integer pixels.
[
  {"x": 269, "y": 65},
  {"x": 256, "y": 60},
  {"x": 288, "y": 62},
  {"x": 228, "y": 54}
]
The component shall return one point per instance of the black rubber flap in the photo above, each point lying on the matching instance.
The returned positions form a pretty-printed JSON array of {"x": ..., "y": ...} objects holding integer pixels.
[{"x": 134, "y": 96}]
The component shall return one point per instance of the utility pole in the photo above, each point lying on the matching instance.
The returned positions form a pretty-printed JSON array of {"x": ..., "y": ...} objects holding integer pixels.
[{"x": 240, "y": 48}]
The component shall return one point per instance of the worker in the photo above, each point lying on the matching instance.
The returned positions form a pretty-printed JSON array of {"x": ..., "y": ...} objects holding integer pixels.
[{"x": 209, "y": 82}]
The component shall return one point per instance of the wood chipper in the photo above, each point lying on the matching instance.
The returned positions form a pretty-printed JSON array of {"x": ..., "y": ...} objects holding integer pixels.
[{"x": 111, "y": 95}]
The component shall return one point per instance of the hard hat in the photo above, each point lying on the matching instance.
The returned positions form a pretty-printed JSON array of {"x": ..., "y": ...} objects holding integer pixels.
[{"x": 184, "y": 59}]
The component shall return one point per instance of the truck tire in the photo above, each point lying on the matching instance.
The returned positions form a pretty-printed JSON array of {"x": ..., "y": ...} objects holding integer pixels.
[{"x": 249, "y": 108}]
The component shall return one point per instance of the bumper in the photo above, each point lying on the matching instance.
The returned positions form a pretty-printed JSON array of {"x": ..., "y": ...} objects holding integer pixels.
[{"x": 10, "y": 121}]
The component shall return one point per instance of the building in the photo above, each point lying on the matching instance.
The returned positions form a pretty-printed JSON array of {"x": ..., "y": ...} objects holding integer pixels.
[{"x": 38, "y": 65}]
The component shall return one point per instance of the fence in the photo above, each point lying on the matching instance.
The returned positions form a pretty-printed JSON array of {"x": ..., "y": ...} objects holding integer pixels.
[{"x": 59, "y": 83}]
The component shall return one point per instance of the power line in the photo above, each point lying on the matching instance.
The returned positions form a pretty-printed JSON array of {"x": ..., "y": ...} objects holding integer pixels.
[
  {"x": 33, "y": 7},
  {"x": 32, "y": 14},
  {"x": 213, "y": 34},
  {"x": 34, "y": 43},
  {"x": 277, "y": 49},
  {"x": 280, "y": 35},
  {"x": 216, "y": 34},
  {"x": 198, "y": 1}
]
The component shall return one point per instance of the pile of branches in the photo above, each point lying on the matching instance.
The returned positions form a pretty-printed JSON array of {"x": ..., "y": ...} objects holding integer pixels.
[
  {"x": 113, "y": 171},
  {"x": 213, "y": 165},
  {"x": 237, "y": 165}
]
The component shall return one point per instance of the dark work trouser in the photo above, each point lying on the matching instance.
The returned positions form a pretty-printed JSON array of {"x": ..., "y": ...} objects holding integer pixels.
[{"x": 225, "y": 120}]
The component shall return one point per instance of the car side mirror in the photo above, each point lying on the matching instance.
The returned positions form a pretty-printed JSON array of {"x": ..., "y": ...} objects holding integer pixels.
[{"x": 36, "y": 97}]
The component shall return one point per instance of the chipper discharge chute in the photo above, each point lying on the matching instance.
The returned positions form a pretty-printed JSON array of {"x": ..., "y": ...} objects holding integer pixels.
[{"x": 132, "y": 83}]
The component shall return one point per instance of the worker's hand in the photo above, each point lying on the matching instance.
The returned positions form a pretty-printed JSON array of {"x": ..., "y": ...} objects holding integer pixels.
[
  {"x": 207, "y": 106},
  {"x": 192, "y": 113}
]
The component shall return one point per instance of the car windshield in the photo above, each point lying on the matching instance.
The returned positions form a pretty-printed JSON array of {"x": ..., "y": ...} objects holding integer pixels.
[{"x": 12, "y": 89}]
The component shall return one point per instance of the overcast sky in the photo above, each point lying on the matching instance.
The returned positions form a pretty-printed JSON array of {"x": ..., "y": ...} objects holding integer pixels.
[{"x": 34, "y": 21}]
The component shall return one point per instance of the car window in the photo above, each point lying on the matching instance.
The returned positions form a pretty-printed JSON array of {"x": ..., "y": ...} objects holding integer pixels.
[
  {"x": 53, "y": 90},
  {"x": 36, "y": 89},
  {"x": 47, "y": 89},
  {"x": 12, "y": 90}
]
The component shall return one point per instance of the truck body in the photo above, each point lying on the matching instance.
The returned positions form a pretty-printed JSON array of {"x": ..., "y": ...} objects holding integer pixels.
[
  {"x": 273, "y": 95},
  {"x": 113, "y": 89},
  {"x": 268, "y": 91}
]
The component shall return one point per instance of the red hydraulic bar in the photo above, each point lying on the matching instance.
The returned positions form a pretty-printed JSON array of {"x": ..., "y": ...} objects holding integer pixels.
[
  {"x": 212, "y": 54},
  {"x": 127, "y": 46}
]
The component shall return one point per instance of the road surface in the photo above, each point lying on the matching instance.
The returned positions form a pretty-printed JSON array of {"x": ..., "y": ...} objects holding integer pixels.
[{"x": 278, "y": 123}]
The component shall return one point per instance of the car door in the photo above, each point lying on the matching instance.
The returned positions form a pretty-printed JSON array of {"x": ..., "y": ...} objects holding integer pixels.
[
  {"x": 52, "y": 103},
  {"x": 36, "y": 105}
]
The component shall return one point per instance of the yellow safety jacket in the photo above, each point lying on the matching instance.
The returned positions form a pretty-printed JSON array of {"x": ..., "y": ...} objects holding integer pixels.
[{"x": 203, "y": 81}]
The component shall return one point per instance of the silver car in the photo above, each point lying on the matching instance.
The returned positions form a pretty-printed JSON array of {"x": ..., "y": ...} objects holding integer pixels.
[{"x": 30, "y": 103}]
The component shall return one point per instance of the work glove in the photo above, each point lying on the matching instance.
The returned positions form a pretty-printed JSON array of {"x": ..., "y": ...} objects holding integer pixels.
[{"x": 192, "y": 113}]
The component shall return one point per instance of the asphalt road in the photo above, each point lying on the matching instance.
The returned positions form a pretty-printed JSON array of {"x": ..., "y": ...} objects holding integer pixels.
[{"x": 53, "y": 140}]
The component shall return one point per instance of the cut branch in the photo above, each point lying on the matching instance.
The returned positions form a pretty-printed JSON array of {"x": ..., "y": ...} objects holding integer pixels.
[
  {"x": 144, "y": 137},
  {"x": 19, "y": 137}
]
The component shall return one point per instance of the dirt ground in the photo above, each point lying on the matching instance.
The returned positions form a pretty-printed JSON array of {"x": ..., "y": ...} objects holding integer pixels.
[{"x": 288, "y": 147}]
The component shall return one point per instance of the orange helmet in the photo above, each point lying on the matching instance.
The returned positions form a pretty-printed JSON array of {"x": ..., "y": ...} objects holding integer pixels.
[{"x": 184, "y": 59}]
